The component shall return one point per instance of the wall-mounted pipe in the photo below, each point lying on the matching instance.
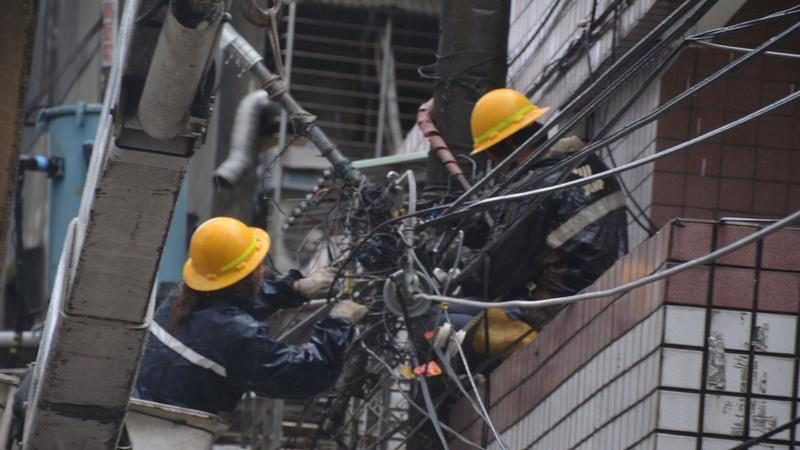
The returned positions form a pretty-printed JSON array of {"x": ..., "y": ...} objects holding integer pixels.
[
  {"x": 27, "y": 339},
  {"x": 438, "y": 145},
  {"x": 178, "y": 65},
  {"x": 248, "y": 59},
  {"x": 244, "y": 138}
]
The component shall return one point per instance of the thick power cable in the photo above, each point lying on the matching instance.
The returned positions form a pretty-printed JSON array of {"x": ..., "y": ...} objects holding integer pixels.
[
  {"x": 478, "y": 405},
  {"x": 731, "y": 48},
  {"x": 471, "y": 379},
  {"x": 765, "y": 436},
  {"x": 642, "y": 161},
  {"x": 672, "y": 103},
  {"x": 413, "y": 403},
  {"x": 625, "y": 61},
  {"x": 423, "y": 383},
  {"x": 709, "y": 34},
  {"x": 621, "y": 289},
  {"x": 542, "y": 23},
  {"x": 663, "y": 108}
]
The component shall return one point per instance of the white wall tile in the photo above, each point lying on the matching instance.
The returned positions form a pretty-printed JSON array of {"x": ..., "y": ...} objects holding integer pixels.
[
  {"x": 684, "y": 325},
  {"x": 735, "y": 373},
  {"x": 775, "y": 333},
  {"x": 719, "y": 444},
  {"x": 724, "y": 415},
  {"x": 681, "y": 368},
  {"x": 733, "y": 327},
  {"x": 726, "y": 444},
  {"x": 594, "y": 409},
  {"x": 766, "y": 415},
  {"x": 674, "y": 442},
  {"x": 772, "y": 375},
  {"x": 678, "y": 411}
]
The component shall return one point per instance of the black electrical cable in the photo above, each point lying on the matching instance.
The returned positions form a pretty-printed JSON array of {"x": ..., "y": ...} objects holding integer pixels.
[
  {"x": 538, "y": 30},
  {"x": 488, "y": 202},
  {"x": 569, "y": 162},
  {"x": 765, "y": 436},
  {"x": 623, "y": 63},
  {"x": 708, "y": 34},
  {"x": 68, "y": 61},
  {"x": 612, "y": 87},
  {"x": 649, "y": 227},
  {"x": 646, "y": 160},
  {"x": 418, "y": 408},
  {"x": 420, "y": 211},
  {"x": 423, "y": 384}
]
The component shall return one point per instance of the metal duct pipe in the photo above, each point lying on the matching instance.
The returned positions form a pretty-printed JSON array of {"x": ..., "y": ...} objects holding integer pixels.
[
  {"x": 178, "y": 65},
  {"x": 30, "y": 339},
  {"x": 244, "y": 139},
  {"x": 248, "y": 59}
]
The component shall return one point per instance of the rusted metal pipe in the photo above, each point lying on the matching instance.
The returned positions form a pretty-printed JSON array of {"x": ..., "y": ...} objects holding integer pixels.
[{"x": 439, "y": 147}]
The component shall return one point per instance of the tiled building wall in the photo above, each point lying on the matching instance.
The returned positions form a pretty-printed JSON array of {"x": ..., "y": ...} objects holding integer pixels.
[
  {"x": 751, "y": 170},
  {"x": 703, "y": 360},
  {"x": 535, "y": 43},
  {"x": 637, "y": 145}
]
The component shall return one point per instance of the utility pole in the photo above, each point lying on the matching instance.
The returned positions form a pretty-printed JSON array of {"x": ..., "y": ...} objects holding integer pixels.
[{"x": 473, "y": 36}]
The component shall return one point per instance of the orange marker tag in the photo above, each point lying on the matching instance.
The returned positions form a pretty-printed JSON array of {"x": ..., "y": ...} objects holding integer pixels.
[{"x": 429, "y": 369}]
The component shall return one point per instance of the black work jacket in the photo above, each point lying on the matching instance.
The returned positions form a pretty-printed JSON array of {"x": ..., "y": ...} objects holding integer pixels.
[
  {"x": 562, "y": 244},
  {"x": 236, "y": 354}
]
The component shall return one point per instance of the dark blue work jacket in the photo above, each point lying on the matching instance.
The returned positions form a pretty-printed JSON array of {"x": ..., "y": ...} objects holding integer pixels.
[{"x": 222, "y": 351}]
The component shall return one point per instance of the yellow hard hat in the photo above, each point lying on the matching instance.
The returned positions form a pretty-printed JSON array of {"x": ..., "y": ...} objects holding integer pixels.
[
  {"x": 223, "y": 251},
  {"x": 499, "y": 114}
]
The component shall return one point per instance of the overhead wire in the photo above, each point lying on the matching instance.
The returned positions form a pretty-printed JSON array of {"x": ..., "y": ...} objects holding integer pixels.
[
  {"x": 742, "y": 49},
  {"x": 543, "y": 22},
  {"x": 642, "y": 161},
  {"x": 483, "y": 411},
  {"x": 623, "y": 64},
  {"x": 412, "y": 403},
  {"x": 626, "y": 287},
  {"x": 618, "y": 170},
  {"x": 709, "y": 34},
  {"x": 593, "y": 146}
]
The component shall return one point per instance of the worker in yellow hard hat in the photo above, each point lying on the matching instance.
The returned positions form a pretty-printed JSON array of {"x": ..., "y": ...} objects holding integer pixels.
[
  {"x": 208, "y": 345},
  {"x": 563, "y": 243}
]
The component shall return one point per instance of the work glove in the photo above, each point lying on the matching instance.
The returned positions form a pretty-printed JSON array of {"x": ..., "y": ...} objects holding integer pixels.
[
  {"x": 349, "y": 310},
  {"x": 317, "y": 284}
]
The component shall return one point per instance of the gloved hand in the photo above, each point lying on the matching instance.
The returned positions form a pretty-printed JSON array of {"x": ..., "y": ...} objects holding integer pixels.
[
  {"x": 349, "y": 310},
  {"x": 317, "y": 284}
]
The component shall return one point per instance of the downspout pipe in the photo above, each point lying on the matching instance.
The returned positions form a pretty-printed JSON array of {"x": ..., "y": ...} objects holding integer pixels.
[
  {"x": 248, "y": 59},
  {"x": 179, "y": 63},
  {"x": 244, "y": 139}
]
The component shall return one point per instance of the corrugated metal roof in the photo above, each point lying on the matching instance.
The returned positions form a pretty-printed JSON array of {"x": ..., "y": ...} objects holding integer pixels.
[{"x": 427, "y": 7}]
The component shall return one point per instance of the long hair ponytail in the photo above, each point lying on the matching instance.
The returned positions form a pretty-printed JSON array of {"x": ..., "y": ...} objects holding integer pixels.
[{"x": 188, "y": 299}]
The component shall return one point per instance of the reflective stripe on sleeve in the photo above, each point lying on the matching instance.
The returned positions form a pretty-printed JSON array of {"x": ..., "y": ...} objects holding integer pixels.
[
  {"x": 187, "y": 353},
  {"x": 585, "y": 217}
]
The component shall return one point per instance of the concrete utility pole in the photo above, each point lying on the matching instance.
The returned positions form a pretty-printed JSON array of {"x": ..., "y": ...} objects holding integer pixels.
[{"x": 473, "y": 36}]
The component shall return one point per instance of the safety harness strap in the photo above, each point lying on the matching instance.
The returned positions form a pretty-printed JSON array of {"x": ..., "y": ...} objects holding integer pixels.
[
  {"x": 190, "y": 355},
  {"x": 585, "y": 217}
]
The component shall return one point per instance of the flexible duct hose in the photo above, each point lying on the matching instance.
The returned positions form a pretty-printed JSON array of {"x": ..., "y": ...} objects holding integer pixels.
[{"x": 244, "y": 139}]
